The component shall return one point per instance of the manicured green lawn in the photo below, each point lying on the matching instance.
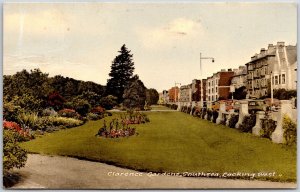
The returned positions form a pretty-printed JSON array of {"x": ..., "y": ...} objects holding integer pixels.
[
  {"x": 159, "y": 107},
  {"x": 175, "y": 142}
]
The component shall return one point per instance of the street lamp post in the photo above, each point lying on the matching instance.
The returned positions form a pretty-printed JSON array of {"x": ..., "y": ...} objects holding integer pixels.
[
  {"x": 212, "y": 60},
  {"x": 271, "y": 81},
  {"x": 271, "y": 88}
]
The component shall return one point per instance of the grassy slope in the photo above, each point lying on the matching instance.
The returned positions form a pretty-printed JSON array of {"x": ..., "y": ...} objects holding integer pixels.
[{"x": 176, "y": 142}]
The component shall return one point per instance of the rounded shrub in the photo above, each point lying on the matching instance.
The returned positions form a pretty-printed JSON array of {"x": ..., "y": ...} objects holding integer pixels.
[
  {"x": 247, "y": 124},
  {"x": 290, "y": 130},
  {"x": 233, "y": 120}
]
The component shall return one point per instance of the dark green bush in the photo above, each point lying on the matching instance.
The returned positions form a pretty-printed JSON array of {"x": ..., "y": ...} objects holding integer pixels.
[
  {"x": 215, "y": 115},
  {"x": 233, "y": 120},
  {"x": 188, "y": 110},
  {"x": 203, "y": 112},
  {"x": 290, "y": 131},
  {"x": 13, "y": 155},
  {"x": 174, "y": 106},
  {"x": 248, "y": 122},
  {"x": 283, "y": 94},
  {"x": 268, "y": 127},
  {"x": 81, "y": 106},
  {"x": 109, "y": 101},
  {"x": 209, "y": 114}
]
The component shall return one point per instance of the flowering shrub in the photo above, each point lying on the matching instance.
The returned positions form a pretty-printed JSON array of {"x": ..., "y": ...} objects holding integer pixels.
[
  {"x": 11, "y": 125},
  {"x": 49, "y": 112},
  {"x": 22, "y": 135},
  {"x": 98, "y": 110},
  {"x": 55, "y": 100},
  {"x": 68, "y": 113}
]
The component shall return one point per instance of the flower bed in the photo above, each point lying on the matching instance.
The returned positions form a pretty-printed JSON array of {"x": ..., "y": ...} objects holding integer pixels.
[
  {"x": 114, "y": 131},
  {"x": 68, "y": 113},
  {"x": 23, "y": 134}
]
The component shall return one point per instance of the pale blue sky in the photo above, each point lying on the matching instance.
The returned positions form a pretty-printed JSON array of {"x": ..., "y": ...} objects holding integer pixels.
[{"x": 81, "y": 40}]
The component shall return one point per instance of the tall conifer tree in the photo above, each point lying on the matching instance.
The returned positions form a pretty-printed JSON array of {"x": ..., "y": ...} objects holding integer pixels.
[{"x": 121, "y": 72}]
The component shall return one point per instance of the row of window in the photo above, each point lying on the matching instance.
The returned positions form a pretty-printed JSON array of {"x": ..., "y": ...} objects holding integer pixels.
[
  {"x": 259, "y": 92},
  {"x": 213, "y": 82},
  {"x": 212, "y": 90},
  {"x": 213, "y": 98},
  {"x": 278, "y": 79}
]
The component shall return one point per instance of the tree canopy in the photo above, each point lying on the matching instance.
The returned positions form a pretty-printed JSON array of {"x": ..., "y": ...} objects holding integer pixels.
[
  {"x": 152, "y": 96},
  {"x": 135, "y": 94}
]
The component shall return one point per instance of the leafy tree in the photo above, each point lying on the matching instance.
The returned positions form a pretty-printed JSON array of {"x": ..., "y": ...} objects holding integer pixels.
[
  {"x": 152, "y": 96},
  {"x": 121, "y": 72},
  {"x": 92, "y": 98},
  {"x": 70, "y": 88},
  {"x": 27, "y": 102},
  {"x": 135, "y": 94},
  {"x": 13, "y": 154},
  {"x": 108, "y": 102},
  {"x": 33, "y": 83}
]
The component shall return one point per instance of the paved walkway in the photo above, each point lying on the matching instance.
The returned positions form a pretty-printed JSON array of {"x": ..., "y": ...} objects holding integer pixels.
[
  {"x": 152, "y": 110},
  {"x": 70, "y": 173}
]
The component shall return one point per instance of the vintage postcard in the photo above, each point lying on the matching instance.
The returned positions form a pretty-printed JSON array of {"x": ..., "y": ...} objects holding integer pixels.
[{"x": 148, "y": 95}]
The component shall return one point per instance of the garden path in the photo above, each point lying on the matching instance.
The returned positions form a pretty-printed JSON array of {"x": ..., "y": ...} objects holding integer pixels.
[{"x": 56, "y": 172}]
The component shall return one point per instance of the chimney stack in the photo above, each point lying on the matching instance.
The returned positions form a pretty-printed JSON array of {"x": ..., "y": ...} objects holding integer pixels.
[{"x": 280, "y": 43}]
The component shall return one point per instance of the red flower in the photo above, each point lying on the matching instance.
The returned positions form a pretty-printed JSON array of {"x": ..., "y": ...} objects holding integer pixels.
[{"x": 11, "y": 125}]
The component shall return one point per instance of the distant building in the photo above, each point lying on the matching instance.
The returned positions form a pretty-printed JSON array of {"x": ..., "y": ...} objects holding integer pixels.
[
  {"x": 218, "y": 85},
  {"x": 191, "y": 92},
  {"x": 278, "y": 61},
  {"x": 165, "y": 97},
  {"x": 173, "y": 94},
  {"x": 185, "y": 93},
  {"x": 160, "y": 98},
  {"x": 196, "y": 90},
  {"x": 203, "y": 92},
  {"x": 239, "y": 78}
]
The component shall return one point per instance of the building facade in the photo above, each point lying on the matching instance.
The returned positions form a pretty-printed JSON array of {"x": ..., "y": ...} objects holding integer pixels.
[
  {"x": 165, "y": 97},
  {"x": 173, "y": 94},
  {"x": 196, "y": 90},
  {"x": 203, "y": 92},
  {"x": 239, "y": 78},
  {"x": 278, "y": 62},
  {"x": 218, "y": 85},
  {"x": 185, "y": 93}
]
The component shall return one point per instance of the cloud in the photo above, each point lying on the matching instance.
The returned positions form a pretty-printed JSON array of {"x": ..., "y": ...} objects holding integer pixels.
[
  {"x": 182, "y": 26},
  {"x": 168, "y": 34}
]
